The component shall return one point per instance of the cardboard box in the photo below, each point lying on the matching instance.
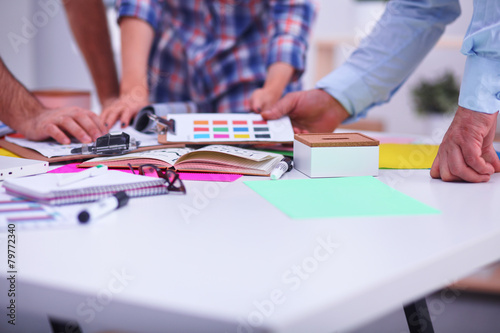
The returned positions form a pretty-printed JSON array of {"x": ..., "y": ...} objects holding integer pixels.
[{"x": 336, "y": 154}]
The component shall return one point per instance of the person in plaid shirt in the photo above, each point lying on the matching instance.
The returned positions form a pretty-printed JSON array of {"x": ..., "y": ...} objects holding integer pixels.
[{"x": 226, "y": 56}]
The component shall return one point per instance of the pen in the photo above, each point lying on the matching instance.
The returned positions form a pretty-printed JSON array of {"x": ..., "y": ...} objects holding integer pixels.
[
  {"x": 283, "y": 166},
  {"x": 103, "y": 207},
  {"x": 91, "y": 172}
]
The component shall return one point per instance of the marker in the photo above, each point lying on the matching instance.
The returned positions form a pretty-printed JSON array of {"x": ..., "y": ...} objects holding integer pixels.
[
  {"x": 91, "y": 172},
  {"x": 103, "y": 206},
  {"x": 283, "y": 166}
]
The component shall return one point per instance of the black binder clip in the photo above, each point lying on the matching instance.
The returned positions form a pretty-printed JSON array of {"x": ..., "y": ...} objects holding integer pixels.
[{"x": 109, "y": 144}]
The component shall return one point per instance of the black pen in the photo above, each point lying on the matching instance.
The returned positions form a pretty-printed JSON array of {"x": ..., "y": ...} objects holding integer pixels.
[
  {"x": 285, "y": 165},
  {"x": 103, "y": 207}
]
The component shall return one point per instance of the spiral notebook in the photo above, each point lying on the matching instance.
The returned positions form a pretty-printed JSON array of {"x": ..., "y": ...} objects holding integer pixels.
[{"x": 44, "y": 188}]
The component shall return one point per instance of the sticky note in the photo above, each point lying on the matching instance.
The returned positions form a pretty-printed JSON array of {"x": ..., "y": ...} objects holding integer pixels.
[
  {"x": 337, "y": 197},
  {"x": 406, "y": 156}
]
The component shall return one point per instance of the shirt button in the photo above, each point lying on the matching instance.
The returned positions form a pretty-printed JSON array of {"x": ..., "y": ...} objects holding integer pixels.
[{"x": 498, "y": 95}]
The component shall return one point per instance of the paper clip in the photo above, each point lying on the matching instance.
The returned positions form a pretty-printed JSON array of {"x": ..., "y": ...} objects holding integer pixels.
[{"x": 109, "y": 144}]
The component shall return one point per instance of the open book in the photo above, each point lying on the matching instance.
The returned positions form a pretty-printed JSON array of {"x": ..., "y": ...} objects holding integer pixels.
[{"x": 213, "y": 158}]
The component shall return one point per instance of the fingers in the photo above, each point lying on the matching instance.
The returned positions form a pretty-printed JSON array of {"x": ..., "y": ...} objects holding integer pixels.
[
  {"x": 111, "y": 115},
  {"x": 122, "y": 110},
  {"x": 472, "y": 157},
  {"x": 284, "y": 106},
  {"x": 491, "y": 157},
  {"x": 450, "y": 165},
  {"x": 54, "y": 132}
]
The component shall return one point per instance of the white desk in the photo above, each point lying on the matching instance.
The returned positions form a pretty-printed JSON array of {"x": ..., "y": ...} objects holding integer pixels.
[{"x": 214, "y": 259}]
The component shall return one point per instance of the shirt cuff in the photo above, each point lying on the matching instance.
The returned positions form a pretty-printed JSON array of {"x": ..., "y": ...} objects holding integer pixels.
[
  {"x": 143, "y": 10},
  {"x": 288, "y": 49},
  {"x": 346, "y": 86},
  {"x": 480, "y": 89}
]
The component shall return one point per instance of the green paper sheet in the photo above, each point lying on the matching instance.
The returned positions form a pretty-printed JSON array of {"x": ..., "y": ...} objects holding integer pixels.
[{"x": 337, "y": 197}]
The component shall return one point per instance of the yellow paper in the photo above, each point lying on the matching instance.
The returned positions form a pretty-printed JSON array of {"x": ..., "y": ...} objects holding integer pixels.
[
  {"x": 5, "y": 152},
  {"x": 407, "y": 156}
]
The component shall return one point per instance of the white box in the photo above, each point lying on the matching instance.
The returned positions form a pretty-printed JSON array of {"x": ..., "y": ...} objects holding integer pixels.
[
  {"x": 11, "y": 167},
  {"x": 336, "y": 154}
]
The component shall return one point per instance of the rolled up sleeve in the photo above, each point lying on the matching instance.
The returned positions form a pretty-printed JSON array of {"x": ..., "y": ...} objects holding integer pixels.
[
  {"x": 480, "y": 89},
  {"x": 293, "y": 20},
  {"x": 146, "y": 10}
]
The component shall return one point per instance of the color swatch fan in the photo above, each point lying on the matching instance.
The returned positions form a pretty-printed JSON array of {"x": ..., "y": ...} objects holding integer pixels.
[{"x": 213, "y": 128}]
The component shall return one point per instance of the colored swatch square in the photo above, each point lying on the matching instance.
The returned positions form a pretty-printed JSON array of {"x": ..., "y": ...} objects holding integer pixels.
[
  {"x": 262, "y": 136},
  {"x": 240, "y": 129},
  {"x": 261, "y": 129},
  {"x": 260, "y": 122},
  {"x": 221, "y": 129},
  {"x": 201, "y": 129},
  {"x": 239, "y": 122},
  {"x": 242, "y": 136},
  {"x": 202, "y": 136},
  {"x": 221, "y": 136},
  {"x": 220, "y": 122},
  {"x": 201, "y": 122}
]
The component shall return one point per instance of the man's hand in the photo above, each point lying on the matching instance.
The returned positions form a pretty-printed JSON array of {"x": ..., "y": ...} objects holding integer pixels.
[
  {"x": 466, "y": 153},
  {"x": 310, "y": 111},
  {"x": 61, "y": 124}
]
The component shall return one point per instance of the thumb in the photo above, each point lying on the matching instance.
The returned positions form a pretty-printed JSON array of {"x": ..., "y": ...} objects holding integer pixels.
[
  {"x": 283, "y": 107},
  {"x": 491, "y": 157}
]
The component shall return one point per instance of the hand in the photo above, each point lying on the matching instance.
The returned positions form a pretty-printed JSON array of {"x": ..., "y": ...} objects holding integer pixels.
[
  {"x": 263, "y": 99},
  {"x": 466, "y": 153},
  {"x": 310, "y": 111},
  {"x": 123, "y": 109},
  {"x": 62, "y": 123}
]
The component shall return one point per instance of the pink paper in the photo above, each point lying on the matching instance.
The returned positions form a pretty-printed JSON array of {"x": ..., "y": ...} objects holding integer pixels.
[
  {"x": 395, "y": 140},
  {"x": 214, "y": 177}
]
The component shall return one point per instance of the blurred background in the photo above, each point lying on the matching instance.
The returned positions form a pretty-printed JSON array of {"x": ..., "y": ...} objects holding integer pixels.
[{"x": 49, "y": 57}]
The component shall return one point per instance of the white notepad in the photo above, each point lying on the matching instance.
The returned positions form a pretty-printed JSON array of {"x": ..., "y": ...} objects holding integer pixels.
[
  {"x": 11, "y": 167},
  {"x": 44, "y": 188}
]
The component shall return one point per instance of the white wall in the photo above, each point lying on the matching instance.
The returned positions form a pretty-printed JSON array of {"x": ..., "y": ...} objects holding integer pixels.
[{"x": 50, "y": 59}]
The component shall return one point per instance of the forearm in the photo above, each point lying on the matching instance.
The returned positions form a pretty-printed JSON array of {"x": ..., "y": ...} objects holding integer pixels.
[
  {"x": 137, "y": 39},
  {"x": 17, "y": 104},
  {"x": 403, "y": 36},
  {"x": 279, "y": 75},
  {"x": 88, "y": 22}
]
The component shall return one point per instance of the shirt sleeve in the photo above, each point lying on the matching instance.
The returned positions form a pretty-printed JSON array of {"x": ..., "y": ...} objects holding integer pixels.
[
  {"x": 402, "y": 37},
  {"x": 146, "y": 10},
  {"x": 292, "y": 21},
  {"x": 480, "y": 89}
]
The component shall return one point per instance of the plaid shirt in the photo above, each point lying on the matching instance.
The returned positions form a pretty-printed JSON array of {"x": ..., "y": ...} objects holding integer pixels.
[{"x": 216, "y": 53}]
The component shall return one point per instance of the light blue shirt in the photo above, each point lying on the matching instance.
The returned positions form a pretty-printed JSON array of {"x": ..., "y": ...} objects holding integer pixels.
[
  {"x": 480, "y": 90},
  {"x": 404, "y": 35}
]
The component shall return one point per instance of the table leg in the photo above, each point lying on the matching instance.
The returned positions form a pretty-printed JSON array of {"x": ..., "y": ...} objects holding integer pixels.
[{"x": 418, "y": 317}]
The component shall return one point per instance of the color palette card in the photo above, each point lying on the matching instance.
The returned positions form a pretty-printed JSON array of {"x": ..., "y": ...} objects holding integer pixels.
[{"x": 229, "y": 127}]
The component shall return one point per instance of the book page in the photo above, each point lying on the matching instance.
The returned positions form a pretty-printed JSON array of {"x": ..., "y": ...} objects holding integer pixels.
[
  {"x": 229, "y": 127},
  {"x": 167, "y": 155},
  {"x": 249, "y": 154},
  {"x": 217, "y": 161}
]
